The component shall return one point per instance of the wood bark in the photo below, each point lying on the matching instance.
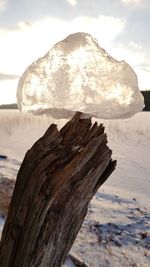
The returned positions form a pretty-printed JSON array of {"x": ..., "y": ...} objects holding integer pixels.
[{"x": 58, "y": 177}]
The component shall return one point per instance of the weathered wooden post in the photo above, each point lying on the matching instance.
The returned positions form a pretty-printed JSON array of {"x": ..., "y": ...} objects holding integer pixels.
[
  {"x": 57, "y": 179},
  {"x": 63, "y": 170}
]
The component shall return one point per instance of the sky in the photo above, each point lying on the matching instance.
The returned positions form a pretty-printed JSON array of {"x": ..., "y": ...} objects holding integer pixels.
[{"x": 29, "y": 28}]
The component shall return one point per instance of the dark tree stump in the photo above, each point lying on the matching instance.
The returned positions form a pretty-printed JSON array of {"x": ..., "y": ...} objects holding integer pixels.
[{"x": 57, "y": 179}]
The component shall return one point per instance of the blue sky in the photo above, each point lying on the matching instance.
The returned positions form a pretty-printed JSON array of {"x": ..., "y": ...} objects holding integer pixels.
[{"x": 28, "y": 29}]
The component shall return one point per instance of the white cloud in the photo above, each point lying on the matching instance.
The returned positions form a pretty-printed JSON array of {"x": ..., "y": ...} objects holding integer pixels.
[
  {"x": 72, "y": 2},
  {"x": 20, "y": 47},
  {"x": 135, "y": 55},
  {"x": 143, "y": 78},
  {"x": 133, "y": 2},
  {"x": 103, "y": 28},
  {"x": 8, "y": 91},
  {"x": 132, "y": 53},
  {"x": 3, "y": 4}
]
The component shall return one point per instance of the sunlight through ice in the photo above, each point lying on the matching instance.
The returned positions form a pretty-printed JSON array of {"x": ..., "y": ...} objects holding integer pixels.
[{"x": 78, "y": 75}]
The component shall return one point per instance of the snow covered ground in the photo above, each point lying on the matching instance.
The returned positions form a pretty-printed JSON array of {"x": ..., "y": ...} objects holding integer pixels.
[{"x": 116, "y": 231}]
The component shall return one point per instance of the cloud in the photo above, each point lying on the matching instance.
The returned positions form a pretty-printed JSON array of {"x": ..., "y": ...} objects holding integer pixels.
[
  {"x": 143, "y": 77},
  {"x": 8, "y": 91},
  {"x": 131, "y": 1},
  {"x": 3, "y": 4},
  {"x": 21, "y": 46},
  {"x": 29, "y": 41},
  {"x": 135, "y": 55},
  {"x": 4, "y": 76},
  {"x": 72, "y": 2},
  {"x": 134, "y": 2},
  {"x": 104, "y": 28}
]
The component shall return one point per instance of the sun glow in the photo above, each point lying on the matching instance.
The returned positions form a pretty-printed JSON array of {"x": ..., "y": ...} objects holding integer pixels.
[{"x": 77, "y": 56}]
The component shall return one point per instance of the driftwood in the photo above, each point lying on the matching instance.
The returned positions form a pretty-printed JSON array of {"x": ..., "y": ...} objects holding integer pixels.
[{"x": 57, "y": 179}]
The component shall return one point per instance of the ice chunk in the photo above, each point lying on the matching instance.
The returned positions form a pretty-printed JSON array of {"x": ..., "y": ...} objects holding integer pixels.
[{"x": 78, "y": 75}]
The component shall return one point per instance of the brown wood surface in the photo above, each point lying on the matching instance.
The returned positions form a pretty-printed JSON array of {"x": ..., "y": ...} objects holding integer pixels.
[{"x": 58, "y": 177}]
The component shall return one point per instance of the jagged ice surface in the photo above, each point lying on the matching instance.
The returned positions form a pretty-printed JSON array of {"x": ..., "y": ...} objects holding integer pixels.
[{"x": 78, "y": 75}]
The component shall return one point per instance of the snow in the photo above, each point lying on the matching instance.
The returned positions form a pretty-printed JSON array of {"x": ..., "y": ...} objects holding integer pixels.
[
  {"x": 2, "y": 221},
  {"x": 116, "y": 231},
  {"x": 78, "y": 75}
]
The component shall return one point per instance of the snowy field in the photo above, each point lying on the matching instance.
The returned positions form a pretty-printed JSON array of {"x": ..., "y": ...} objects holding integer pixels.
[{"x": 116, "y": 231}]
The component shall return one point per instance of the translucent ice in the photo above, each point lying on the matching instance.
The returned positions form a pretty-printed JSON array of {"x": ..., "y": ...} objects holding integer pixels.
[{"x": 78, "y": 75}]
